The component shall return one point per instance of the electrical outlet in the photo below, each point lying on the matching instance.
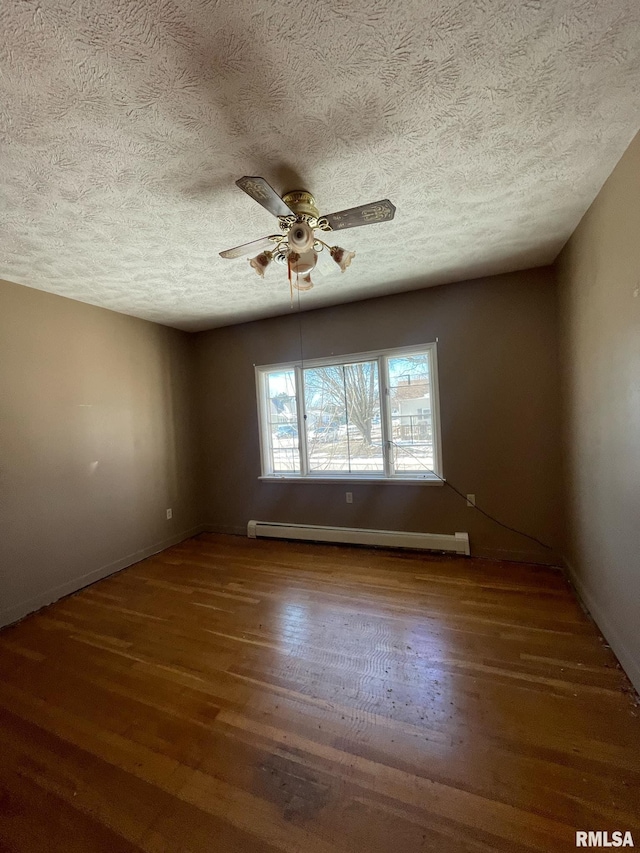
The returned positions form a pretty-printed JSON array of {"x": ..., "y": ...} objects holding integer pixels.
[
  {"x": 169, "y": 514},
  {"x": 471, "y": 500},
  {"x": 349, "y": 497}
]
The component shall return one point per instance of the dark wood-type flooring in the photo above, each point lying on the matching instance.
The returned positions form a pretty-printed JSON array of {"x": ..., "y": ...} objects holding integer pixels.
[{"x": 251, "y": 696}]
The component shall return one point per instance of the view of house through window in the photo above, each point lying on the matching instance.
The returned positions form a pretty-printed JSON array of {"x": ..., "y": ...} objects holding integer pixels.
[{"x": 372, "y": 416}]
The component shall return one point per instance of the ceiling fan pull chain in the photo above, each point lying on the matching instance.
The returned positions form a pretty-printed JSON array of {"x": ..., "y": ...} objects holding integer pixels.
[{"x": 290, "y": 281}]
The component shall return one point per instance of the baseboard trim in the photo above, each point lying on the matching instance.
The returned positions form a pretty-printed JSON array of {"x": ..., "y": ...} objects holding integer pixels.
[
  {"x": 18, "y": 611},
  {"x": 229, "y": 529},
  {"x": 610, "y": 633},
  {"x": 539, "y": 558}
]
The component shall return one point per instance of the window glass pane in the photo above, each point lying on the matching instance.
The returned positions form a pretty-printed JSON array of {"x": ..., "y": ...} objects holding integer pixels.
[
  {"x": 342, "y": 407},
  {"x": 411, "y": 413},
  {"x": 282, "y": 422},
  {"x": 345, "y": 411}
]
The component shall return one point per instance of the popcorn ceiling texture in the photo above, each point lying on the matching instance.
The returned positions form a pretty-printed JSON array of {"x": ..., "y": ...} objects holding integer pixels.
[{"x": 491, "y": 125}]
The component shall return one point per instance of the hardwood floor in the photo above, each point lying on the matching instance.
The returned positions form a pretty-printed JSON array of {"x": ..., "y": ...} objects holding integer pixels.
[{"x": 256, "y": 696}]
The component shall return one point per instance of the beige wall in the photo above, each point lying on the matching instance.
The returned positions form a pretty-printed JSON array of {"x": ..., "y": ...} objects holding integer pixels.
[
  {"x": 97, "y": 439},
  {"x": 599, "y": 276},
  {"x": 497, "y": 354}
]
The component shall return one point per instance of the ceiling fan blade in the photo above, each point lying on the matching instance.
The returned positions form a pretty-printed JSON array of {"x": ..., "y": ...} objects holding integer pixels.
[
  {"x": 366, "y": 214},
  {"x": 260, "y": 191},
  {"x": 248, "y": 248}
]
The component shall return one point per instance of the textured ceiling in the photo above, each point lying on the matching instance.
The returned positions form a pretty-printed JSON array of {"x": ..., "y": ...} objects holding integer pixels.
[{"x": 490, "y": 124}]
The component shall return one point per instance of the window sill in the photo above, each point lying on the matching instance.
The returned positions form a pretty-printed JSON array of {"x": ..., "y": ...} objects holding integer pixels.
[{"x": 397, "y": 481}]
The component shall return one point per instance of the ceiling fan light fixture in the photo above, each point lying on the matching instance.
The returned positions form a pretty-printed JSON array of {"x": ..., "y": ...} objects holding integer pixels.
[
  {"x": 341, "y": 256},
  {"x": 303, "y": 283},
  {"x": 301, "y": 237},
  {"x": 299, "y": 218},
  {"x": 261, "y": 262},
  {"x": 301, "y": 263}
]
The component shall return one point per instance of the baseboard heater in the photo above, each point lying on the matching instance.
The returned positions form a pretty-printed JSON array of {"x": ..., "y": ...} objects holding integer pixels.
[{"x": 457, "y": 542}]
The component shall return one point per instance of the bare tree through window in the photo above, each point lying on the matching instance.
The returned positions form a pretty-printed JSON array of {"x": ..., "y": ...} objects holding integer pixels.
[{"x": 342, "y": 402}]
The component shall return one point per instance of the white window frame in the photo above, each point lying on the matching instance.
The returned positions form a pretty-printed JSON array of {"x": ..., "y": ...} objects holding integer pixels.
[{"x": 381, "y": 356}]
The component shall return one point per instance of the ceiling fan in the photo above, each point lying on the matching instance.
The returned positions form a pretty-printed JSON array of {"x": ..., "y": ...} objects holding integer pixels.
[{"x": 297, "y": 246}]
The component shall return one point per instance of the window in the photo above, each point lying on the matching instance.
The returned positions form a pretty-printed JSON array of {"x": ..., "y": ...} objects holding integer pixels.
[{"x": 367, "y": 416}]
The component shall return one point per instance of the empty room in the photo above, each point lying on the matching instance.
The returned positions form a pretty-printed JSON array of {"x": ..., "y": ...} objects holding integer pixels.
[{"x": 319, "y": 426}]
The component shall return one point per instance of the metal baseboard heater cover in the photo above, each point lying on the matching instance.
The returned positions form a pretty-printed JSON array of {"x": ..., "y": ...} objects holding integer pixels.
[{"x": 457, "y": 542}]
